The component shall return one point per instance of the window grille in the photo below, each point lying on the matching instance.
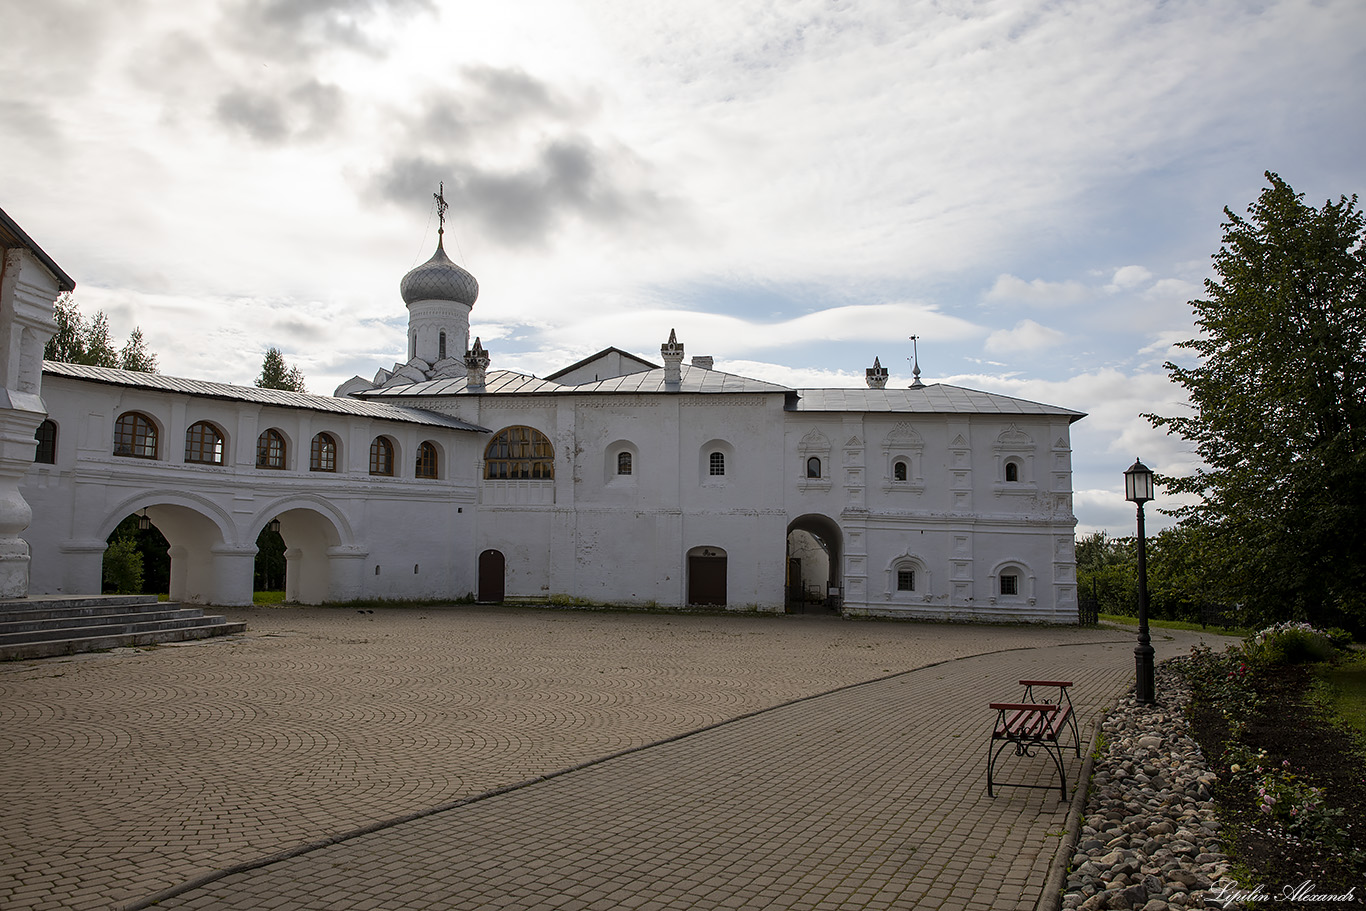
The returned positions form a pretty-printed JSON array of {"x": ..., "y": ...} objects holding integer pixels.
[
  {"x": 135, "y": 436},
  {"x": 322, "y": 455},
  {"x": 204, "y": 444},
  {"x": 518, "y": 453},
  {"x": 46, "y": 451},
  {"x": 426, "y": 461},
  {"x": 270, "y": 450},
  {"x": 382, "y": 457}
]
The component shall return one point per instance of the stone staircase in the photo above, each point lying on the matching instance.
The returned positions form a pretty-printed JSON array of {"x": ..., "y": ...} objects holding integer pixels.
[{"x": 46, "y": 626}]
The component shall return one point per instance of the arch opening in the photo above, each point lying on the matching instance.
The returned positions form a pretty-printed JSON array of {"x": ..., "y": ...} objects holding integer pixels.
[{"x": 815, "y": 548}]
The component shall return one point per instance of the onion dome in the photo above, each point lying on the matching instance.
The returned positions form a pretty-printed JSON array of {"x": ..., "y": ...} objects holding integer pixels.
[{"x": 439, "y": 279}]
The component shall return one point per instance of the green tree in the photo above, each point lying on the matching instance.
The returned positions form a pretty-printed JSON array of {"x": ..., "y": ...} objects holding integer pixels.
[
  {"x": 135, "y": 355},
  {"x": 276, "y": 374},
  {"x": 68, "y": 342},
  {"x": 122, "y": 567},
  {"x": 99, "y": 344},
  {"x": 81, "y": 341},
  {"x": 1279, "y": 410}
]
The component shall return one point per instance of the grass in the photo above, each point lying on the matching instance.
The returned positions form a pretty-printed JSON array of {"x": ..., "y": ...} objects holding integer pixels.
[
  {"x": 1342, "y": 691},
  {"x": 1178, "y": 624},
  {"x": 267, "y": 597}
]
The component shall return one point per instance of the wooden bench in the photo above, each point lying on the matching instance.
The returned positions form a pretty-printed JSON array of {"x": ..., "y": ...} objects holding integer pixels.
[
  {"x": 1032, "y": 725},
  {"x": 1067, "y": 718}
]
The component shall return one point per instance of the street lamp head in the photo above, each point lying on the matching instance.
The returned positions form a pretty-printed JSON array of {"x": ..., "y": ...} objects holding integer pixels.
[{"x": 1138, "y": 483}]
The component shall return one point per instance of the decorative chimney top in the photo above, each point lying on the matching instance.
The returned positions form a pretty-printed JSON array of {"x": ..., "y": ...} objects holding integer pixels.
[
  {"x": 476, "y": 366},
  {"x": 672, "y": 353},
  {"x": 876, "y": 375}
]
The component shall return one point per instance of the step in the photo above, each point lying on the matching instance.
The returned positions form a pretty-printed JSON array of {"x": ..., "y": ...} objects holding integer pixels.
[
  {"x": 109, "y": 626},
  {"x": 57, "y": 647},
  {"x": 18, "y": 621},
  {"x": 48, "y": 602}
]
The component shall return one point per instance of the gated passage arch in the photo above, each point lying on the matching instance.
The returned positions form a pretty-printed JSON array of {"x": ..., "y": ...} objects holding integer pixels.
[{"x": 815, "y": 552}]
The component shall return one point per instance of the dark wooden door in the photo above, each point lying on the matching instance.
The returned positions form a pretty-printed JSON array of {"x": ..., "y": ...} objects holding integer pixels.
[
  {"x": 706, "y": 580},
  {"x": 491, "y": 567}
]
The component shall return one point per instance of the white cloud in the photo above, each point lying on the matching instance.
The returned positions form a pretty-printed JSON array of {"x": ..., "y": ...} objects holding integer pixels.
[
  {"x": 1129, "y": 278},
  {"x": 1038, "y": 293},
  {"x": 1027, "y": 335}
]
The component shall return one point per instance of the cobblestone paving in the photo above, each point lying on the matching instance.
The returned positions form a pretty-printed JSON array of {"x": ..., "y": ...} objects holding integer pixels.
[{"x": 131, "y": 771}]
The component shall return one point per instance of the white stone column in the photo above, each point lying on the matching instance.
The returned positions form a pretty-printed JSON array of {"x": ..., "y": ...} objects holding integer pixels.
[{"x": 28, "y": 290}]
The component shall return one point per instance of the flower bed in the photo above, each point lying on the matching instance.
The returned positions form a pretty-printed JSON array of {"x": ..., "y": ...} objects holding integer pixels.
[{"x": 1291, "y": 791}]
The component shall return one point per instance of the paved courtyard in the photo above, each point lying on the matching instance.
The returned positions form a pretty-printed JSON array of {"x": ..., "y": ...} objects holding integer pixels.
[{"x": 130, "y": 772}]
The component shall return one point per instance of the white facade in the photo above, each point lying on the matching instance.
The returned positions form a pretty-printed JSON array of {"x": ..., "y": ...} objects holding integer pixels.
[{"x": 613, "y": 481}]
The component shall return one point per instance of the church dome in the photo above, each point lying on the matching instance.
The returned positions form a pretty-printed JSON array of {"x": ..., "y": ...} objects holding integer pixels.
[{"x": 439, "y": 279}]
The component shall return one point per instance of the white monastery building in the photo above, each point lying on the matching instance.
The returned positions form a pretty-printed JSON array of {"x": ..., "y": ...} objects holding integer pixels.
[{"x": 617, "y": 480}]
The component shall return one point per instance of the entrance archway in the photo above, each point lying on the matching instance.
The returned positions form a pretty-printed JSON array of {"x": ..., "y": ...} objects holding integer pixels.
[
  {"x": 815, "y": 552},
  {"x": 311, "y": 540},
  {"x": 707, "y": 576},
  {"x": 204, "y": 562}
]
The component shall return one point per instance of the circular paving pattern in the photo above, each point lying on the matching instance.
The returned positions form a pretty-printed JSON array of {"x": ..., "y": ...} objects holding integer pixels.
[{"x": 131, "y": 771}]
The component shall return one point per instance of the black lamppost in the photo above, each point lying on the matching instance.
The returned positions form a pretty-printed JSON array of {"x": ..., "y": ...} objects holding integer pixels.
[{"x": 1138, "y": 488}]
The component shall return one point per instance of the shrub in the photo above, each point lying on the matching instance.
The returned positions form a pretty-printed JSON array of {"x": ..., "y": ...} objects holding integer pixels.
[
  {"x": 122, "y": 567},
  {"x": 1288, "y": 643}
]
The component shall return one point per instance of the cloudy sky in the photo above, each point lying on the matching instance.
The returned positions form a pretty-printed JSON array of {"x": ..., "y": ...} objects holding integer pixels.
[{"x": 1033, "y": 188}]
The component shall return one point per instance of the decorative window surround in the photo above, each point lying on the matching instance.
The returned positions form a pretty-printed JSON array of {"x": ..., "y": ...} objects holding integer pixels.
[{"x": 814, "y": 445}]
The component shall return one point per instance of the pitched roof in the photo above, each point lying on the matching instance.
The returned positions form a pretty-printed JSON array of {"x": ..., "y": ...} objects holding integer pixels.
[
  {"x": 938, "y": 398},
  {"x": 11, "y": 235},
  {"x": 279, "y": 398},
  {"x": 603, "y": 353}
]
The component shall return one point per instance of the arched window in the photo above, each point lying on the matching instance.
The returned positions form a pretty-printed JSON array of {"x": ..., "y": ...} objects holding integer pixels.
[
  {"x": 519, "y": 452},
  {"x": 426, "y": 461},
  {"x": 813, "y": 467},
  {"x": 899, "y": 470},
  {"x": 204, "y": 444},
  {"x": 441, "y": 346},
  {"x": 270, "y": 449},
  {"x": 1012, "y": 472},
  {"x": 716, "y": 464},
  {"x": 624, "y": 463},
  {"x": 382, "y": 457},
  {"x": 46, "y": 435},
  {"x": 322, "y": 455},
  {"x": 1010, "y": 583},
  {"x": 135, "y": 436}
]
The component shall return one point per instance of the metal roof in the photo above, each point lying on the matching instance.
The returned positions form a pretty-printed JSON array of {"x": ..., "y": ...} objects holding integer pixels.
[
  {"x": 279, "y": 398},
  {"x": 11, "y": 235},
  {"x": 938, "y": 398},
  {"x": 647, "y": 382},
  {"x": 502, "y": 382}
]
